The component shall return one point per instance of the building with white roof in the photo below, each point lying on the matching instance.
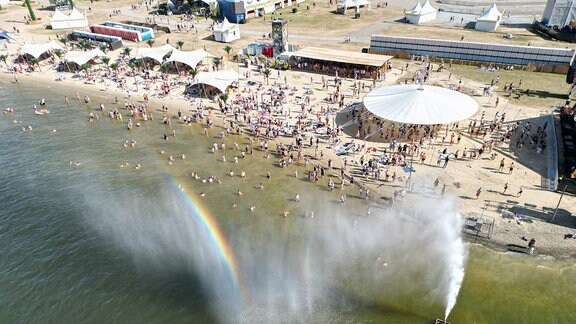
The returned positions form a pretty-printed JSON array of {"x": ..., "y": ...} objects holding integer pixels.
[
  {"x": 74, "y": 20},
  {"x": 226, "y": 32},
  {"x": 421, "y": 13},
  {"x": 489, "y": 20}
]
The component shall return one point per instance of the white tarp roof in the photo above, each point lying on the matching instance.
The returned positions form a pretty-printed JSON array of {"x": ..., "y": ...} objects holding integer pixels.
[
  {"x": 427, "y": 8},
  {"x": 224, "y": 26},
  {"x": 75, "y": 14},
  {"x": 420, "y": 104},
  {"x": 218, "y": 79},
  {"x": 155, "y": 53},
  {"x": 424, "y": 9},
  {"x": 59, "y": 16},
  {"x": 492, "y": 14},
  {"x": 36, "y": 50},
  {"x": 415, "y": 10},
  {"x": 81, "y": 57},
  {"x": 190, "y": 58},
  {"x": 352, "y": 3}
]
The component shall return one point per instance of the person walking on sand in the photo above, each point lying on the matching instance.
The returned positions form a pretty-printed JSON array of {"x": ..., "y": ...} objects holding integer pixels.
[
  {"x": 531, "y": 246},
  {"x": 478, "y": 192},
  {"x": 505, "y": 188},
  {"x": 520, "y": 192},
  {"x": 511, "y": 168},
  {"x": 501, "y": 165}
]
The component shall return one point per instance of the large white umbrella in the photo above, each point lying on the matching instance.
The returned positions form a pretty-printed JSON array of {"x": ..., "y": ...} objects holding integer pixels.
[{"x": 420, "y": 104}]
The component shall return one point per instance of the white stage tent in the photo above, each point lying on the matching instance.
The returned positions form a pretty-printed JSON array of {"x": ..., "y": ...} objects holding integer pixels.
[
  {"x": 190, "y": 58},
  {"x": 220, "y": 80},
  {"x": 36, "y": 51},
  {"x": 421, "y": 13},
  {"x": 155, "y": 53},
  {"x": 489, "y": 20},
  {"x": 343, "y": 5},
  {"x": 75, "y": 20},
  {"x": 81, "y": 57},
  {"x": 420, "y": 104}
]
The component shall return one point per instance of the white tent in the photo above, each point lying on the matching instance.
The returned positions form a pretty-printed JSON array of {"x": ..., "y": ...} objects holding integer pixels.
[
  {"x": 4, "y": 3},
  {"x": 220, "y": 80},
  {"x": 75, "y": 20},
  {"x": 420, "y": 104},
  {"x": 226, "y": 32},
  {"x": 421, "y": 13},
  {"x": 343, "y": 5},
  {"x": 155, "y": 53},
  {"x": 37, "y": 50},
  {"x": 190, "y": 58},
  {"x": 81, "y": 57},
  {"x": 489, "y": 20}
]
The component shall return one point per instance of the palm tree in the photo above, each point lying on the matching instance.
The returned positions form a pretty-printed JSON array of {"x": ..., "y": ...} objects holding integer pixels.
[
  {"x": 150, "y": 42},
  {"x": 217, "y": 61},
  {"x": 64, "y": 40},
  {"x": 180, "y": 44},
  {"x": 193, "y": 73},
  {"x": 228, "y": 49},
  {"x": 30, "y": 11},
  {"x": 165, "y": 67},
  {"x": 136, "y": 65},
  {"x": 85, "y": 45},
  {"x": 127, "y": 51},
  {"x": 35, "y": 61},
  {"x": 266, "y": 73},
  {"x": 85, "y": 67},
  {"x": 103, "y": 48},
  {"x": 106, "y": 60},
  {"x": 114, "y": 67},
  {"x": 224, "y": 97},
  {"x": 3, "y": 58}
]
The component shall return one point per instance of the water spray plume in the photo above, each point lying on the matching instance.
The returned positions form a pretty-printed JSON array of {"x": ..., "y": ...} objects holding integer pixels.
[{"x": 302, "y": 270}]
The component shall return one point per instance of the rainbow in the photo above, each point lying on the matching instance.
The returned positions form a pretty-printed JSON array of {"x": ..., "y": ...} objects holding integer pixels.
[{"x": 217, "y": 238}]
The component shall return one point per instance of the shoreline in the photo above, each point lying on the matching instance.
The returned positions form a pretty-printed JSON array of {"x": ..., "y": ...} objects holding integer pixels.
[{"x": 562, "y": 251}]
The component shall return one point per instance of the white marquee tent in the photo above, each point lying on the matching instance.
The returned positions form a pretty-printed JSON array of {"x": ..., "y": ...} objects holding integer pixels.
[
  {"x": 343, "y": 5},
  {"x": 62, "y": 21},
  {"x": 155, "y": 53},
  {"x": 489, "y": 20},
  {"x": 226, "y": 32},
  {"x": 421, "y": 13},
  {"x": 420, "y": 104},
  {"x": 81, "y": 57},
  {"x": 190, "y": 58},
  {"x": 37, "y": 50},
  {"x": 220, "y": 80}
]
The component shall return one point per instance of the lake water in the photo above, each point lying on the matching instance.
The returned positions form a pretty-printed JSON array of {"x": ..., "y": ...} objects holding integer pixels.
[{"x": 85, "y": 240}]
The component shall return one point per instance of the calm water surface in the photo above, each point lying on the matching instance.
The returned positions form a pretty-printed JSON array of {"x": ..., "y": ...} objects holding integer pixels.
[{"x": 100, "y": 243}]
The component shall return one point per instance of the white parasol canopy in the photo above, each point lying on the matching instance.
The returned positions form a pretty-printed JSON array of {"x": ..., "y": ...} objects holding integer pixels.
[
  {"x": 155, "y": 53},
  {"x": 81, "y": 57},
  {"x": 37, "y": 50},
  {"x": 220, "y": 80},
  {"x": 190, "y": 58},
  {"x": 420, "y": 104}
]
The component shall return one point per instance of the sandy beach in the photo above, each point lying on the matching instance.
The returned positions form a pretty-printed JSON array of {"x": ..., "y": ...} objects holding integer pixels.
[{"x": 525, "y": 192}]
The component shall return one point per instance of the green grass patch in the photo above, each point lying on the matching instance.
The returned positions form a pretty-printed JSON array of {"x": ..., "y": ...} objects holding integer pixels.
[{"x": 546, "y": 89}]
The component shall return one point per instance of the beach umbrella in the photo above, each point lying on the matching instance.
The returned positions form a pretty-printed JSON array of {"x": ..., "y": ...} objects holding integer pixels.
[{"x": 420, "y": 104}]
